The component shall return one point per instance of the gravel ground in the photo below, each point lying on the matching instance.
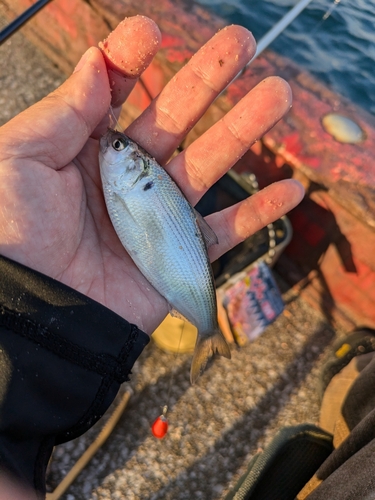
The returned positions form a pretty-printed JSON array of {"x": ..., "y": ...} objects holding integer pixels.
[{"x": 217, "y": 425}]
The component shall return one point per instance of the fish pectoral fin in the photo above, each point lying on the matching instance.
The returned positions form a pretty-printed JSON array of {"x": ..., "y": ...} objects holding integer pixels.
[
  {"x": 207, "y": 232},
  {"x": 122, "y": 202},
  {"x": 206, "y": 347}
]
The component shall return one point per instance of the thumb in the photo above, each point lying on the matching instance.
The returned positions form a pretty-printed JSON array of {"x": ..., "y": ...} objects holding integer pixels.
[{"x": 55, "y": 129}]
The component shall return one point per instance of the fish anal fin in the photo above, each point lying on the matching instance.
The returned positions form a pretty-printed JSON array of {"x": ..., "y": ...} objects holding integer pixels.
[
  {"x": 207, "y": 232},
  {"x": 206, "y": 347}
]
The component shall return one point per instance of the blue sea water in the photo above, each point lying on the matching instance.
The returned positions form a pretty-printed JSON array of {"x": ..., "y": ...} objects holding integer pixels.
[{"x": 340, "y": 50}]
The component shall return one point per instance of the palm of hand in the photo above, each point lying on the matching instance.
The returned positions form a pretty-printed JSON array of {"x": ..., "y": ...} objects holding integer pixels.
[
  {"x": 52, "y": 212},
  {"x": 56, "y": 221}
]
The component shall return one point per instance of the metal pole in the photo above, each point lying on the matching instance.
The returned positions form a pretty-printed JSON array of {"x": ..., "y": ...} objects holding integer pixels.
[
  {"x": 279, "y": 27},
  {"x": 273, "y": 33},
  {"x": 21, "y": 20}
]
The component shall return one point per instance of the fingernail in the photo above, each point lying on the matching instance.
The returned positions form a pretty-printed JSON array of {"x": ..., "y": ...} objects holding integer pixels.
[{"x": 83, "y": 60}]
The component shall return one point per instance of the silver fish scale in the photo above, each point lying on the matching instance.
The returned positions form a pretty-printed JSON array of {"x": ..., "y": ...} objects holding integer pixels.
[{"x": 159, "y": 229}]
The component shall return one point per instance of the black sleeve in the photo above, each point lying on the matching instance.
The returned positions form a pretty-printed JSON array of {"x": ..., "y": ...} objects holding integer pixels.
[{"x": 63, "y": 357}]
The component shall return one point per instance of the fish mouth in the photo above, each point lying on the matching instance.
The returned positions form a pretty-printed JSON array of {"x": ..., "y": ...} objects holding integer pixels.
[{"x": 104, "y": 143}]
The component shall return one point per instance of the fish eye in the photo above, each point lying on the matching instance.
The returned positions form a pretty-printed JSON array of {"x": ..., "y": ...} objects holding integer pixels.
[{"x": 118, "y": 144}]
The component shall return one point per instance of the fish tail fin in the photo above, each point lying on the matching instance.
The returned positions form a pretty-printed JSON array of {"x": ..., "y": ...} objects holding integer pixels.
[{"x": 207, "y": 346}]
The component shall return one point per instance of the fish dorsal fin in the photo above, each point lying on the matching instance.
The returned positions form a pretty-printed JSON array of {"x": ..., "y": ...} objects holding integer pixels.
[{"x": 208, "y": 234}]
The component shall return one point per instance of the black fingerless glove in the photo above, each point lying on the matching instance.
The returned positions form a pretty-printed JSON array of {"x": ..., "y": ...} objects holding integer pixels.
[{"x": 63, "y": 357}]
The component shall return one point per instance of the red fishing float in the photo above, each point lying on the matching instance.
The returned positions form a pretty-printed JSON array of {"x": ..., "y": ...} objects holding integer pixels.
[{"x": 160, "y": 427}]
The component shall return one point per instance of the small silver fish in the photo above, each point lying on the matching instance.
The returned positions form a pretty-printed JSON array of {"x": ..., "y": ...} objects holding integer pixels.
[{"x": 166, "y": 238}]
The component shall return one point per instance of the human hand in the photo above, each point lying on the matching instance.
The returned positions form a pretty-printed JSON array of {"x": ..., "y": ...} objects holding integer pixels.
[{"x": 52, "y": 212}]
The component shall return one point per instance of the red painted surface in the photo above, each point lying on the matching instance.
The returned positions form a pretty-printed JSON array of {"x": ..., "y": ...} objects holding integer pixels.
[
  {"x": 152, "y": 82},
  {"x": 175, "y": 48},
  {"x": 347, "y": 287},
  {"x": 64, "y": 28},
  {"x": 345, "y": 169},
  {"x": 338, "y": 249},
  {"x": 63, "y": 12}
]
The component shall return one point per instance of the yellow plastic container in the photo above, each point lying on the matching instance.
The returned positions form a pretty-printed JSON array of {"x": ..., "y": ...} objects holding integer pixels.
[{"x": 175, "y": 335}]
